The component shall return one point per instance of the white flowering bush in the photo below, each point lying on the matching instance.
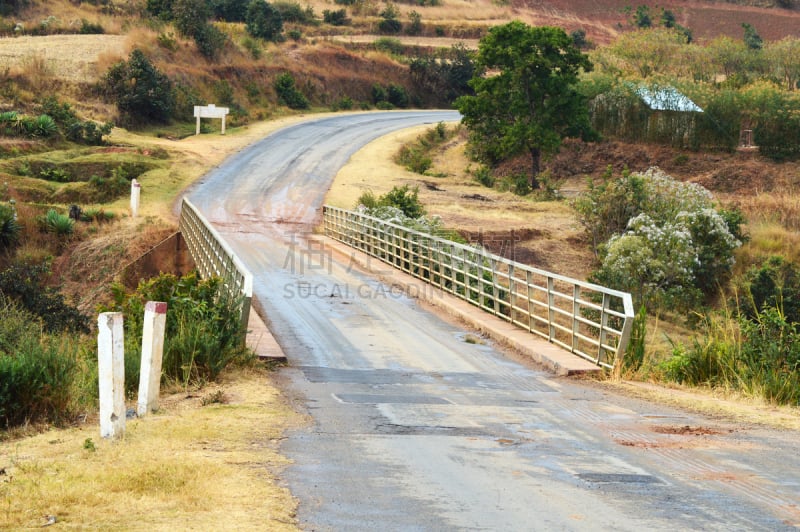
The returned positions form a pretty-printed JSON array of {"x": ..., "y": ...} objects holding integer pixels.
[{"x": 675, "y": 246}]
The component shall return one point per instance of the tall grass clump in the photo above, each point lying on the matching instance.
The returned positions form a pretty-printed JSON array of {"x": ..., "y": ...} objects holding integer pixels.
[
  {"x": 40, "y": 374},
  {"x": 203, "y": 329},
  {"x": 416, "y": 156}
]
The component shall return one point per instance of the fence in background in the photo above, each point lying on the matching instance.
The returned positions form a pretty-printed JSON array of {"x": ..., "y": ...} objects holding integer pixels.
[
  {"x": 590, "y": 321},
  {"x": 213, "y": 257}
]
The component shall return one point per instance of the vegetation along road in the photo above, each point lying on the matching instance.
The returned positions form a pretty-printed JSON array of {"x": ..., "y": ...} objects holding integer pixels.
[{"x": 419, "y": 425}]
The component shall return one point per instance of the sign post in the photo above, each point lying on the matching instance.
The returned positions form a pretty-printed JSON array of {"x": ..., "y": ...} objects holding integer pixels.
[{"x": 210, "y": 111}]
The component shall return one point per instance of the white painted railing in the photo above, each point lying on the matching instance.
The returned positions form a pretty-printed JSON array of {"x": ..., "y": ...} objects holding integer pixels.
[
  {"x": 213, "y": 257},
  {"x": 589, "y": 320}
]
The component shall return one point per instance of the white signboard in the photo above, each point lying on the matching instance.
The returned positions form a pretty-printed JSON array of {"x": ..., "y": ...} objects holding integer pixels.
[{"x": 210, "y": 111}]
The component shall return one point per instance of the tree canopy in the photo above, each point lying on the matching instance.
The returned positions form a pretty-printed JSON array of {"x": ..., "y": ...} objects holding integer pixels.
[{"x": 529, "y": 102}]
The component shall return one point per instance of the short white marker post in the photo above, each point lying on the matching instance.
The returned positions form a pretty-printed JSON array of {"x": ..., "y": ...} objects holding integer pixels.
[
  {"x": 155, "y": 318},
  {"x": 111, "y": 373},
  {"x": 136, "y": 190}
]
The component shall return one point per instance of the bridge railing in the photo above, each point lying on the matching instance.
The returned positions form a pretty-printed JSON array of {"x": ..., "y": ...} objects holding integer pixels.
[
  {"x": 213, "y": 257},
  {"x": 588, "y": 320}
]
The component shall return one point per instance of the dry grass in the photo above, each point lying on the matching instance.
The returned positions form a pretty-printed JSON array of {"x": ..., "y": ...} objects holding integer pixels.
[
  {"x": 70, "y": 57},
  {"x": 553, "y": 239},
  {"x": 187, "y": 467},
  {"x": 714, "y": 403}
]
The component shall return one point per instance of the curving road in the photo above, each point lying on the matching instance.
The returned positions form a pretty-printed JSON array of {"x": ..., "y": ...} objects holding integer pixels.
[{"x": 416, "y": 427}]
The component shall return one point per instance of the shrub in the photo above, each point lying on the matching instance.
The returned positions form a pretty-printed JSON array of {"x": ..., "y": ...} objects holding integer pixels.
[
  {"x": 142, "y": 92},
  {"x": 337, "y": 17},
  {"x": 91, "y": 28},
  {"x": 378, "y": 93},
  {"x": 36, "y": 375},
  {"x": 658, "y": 238},
  {"x": 405, "y": 199},
  {"x": 160, "y": 8},
  {"x": 203, "y": 326},
  {"x": 396, "y": 95},
  {"x": 389, "y": 20},
  {"x": 288, "y": 94},
  {"x": 25, "y": 284},
  {"x": 415, "y": 24},
  {"x": 41, "y": 126},
  {"x": 293, "y": 12},
  {"x": 389, "y": 45}
]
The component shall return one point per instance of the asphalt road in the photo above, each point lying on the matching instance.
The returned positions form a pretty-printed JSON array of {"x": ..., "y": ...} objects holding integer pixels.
[{"x": 416, "y": 426}]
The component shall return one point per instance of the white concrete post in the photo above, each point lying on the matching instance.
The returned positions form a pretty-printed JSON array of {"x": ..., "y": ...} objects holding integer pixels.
[
  {"x": 155, "y": 317},
  {"x": 136, "y": 190},
  {"x": 197, "y": 114},
  {"x": 111, "y": 373},
  {"x": 223, "y": 124}
]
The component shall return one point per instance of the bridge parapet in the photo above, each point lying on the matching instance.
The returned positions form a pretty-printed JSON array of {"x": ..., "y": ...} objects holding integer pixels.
[
  {"x": 589, "y": 320},
  {"x": 214, "y": 257}
]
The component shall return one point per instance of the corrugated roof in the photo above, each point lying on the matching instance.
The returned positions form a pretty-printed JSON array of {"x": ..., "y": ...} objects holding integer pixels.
[{"x": 667, "y": 99}]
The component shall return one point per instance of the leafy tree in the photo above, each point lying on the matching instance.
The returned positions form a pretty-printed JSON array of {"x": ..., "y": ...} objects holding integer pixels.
[
  {"x": 752, "y": 39},
  {"x": 190, "y": 16},
  {"x": 263, "y": 20},
  {"x": 530, "y": 104},
  {"x": 784, "y": 56},
  {"x": 445, "y": 76},
  {"x": 160, "y": 8},
  {"x": 649, "y": 52},
  {"x": 142, "y": 92},
  {"x": 229, "y": 10}
]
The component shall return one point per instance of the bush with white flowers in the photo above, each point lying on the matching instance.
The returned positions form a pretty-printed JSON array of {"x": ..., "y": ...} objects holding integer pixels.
[{"x": 675, "y": 246}]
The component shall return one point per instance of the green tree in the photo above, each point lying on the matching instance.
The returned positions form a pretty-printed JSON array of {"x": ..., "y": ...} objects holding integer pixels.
[
  {"x": 263, "y": 20},
  {"x": 230, "y": 10},
  {"x": 141, "y": 91},
  {"x": 752, "y": 39},
  {"x": 784, "y": 57},
  {"x": 190, "y": 16},
  {"x": 441, "y": 78},
  {"x": 649, "y": 52},
  {"x": 531, "y": 103}
]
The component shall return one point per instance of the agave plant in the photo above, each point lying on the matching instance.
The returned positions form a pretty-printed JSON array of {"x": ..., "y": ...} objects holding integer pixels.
[
  {"x": 10, "y": 122},
  {"x": 59, "y": 224},
  {"x": 43, "y": 126},
  {"x": 9, "y": 227}
]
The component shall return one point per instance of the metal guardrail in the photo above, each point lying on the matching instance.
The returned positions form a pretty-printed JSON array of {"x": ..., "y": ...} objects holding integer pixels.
[
  {"x": 588, "y": 320},
  {"x": 213, "y": 257}
]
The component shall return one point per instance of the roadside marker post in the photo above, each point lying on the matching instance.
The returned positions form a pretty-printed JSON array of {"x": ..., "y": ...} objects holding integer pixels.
[
  {"x": 136, "y": 191},
  {"x": 111, "y": 374},
  {"x": 155, "y": 317}
]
